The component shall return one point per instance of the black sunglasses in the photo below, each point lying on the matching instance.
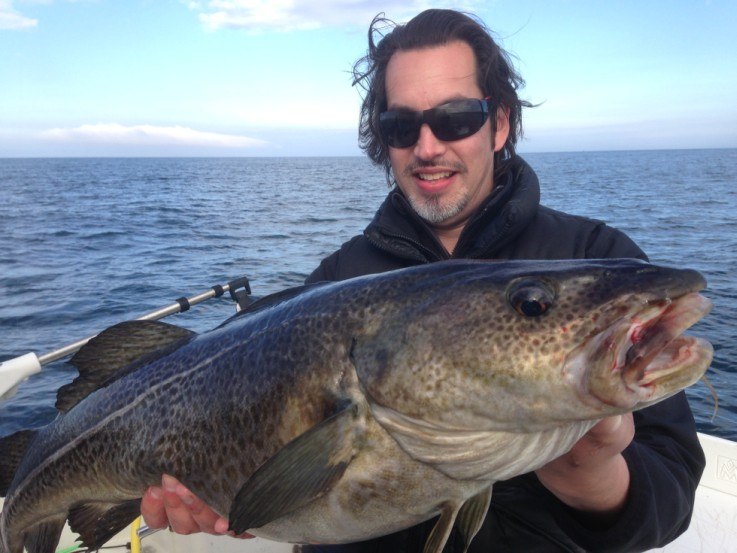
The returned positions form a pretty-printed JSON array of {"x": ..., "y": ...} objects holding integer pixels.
[{"x": 452, "y": 121}]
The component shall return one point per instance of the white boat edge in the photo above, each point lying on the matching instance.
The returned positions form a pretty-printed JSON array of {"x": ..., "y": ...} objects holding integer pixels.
[{"x": 713, "y": 527}]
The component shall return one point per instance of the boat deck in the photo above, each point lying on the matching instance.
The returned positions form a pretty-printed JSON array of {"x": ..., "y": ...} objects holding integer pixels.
[{"x": 714, "y": 524}]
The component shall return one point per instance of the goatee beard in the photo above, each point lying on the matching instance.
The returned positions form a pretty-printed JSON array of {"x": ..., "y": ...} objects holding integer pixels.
[
  {"x": 431, "y": 208},
  {"x": 433, "y": 211}
]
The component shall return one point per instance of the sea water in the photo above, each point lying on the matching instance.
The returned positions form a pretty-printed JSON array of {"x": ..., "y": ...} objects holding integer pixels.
[{"x": 86, "y": 243}]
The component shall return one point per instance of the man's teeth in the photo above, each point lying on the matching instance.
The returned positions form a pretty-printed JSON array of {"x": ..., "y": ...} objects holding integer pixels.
[{"x": 434, "y": 176}]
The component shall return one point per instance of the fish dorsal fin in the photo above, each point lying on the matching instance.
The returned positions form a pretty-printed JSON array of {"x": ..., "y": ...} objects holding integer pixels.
[
  {"x": 472, "y": 515},
  {"x": 116, "y": 352},
  {"x": 96, "y": 523},
  {"x": 13, "y": 449},
  {"x": 299, "y": 473},
  {"x": 441, "y": 531}
]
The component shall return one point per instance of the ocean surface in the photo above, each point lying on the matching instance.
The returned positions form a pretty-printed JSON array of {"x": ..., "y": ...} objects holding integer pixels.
[{"x": 86, "y": 243}]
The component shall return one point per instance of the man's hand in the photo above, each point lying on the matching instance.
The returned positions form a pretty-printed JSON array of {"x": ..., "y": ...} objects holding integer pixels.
[
  {"x": 593, "y": 476},
  {"x": 175, "y": 506}
]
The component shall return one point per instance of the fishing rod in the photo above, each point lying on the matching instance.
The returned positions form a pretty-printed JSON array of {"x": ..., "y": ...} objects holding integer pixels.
[{"x": 16, "y": 370}]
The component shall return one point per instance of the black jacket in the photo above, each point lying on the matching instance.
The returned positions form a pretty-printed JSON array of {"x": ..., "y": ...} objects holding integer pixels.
[{"x": 665, "y": 458}]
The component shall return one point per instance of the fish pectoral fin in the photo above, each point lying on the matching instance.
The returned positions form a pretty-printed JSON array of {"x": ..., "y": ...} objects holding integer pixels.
[
  {"x": 97, "y": 523},
  {"x": 44, "y": 536},
  {"x": 302, "y": 471},
  {"x": 117, "y": 351},
  {"x": 13, "y": 449},
  {"x": 472, "y": 515},
  {"x": 441, "y": 531}
]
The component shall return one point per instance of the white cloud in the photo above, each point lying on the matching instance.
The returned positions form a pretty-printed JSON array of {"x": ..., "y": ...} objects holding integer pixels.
[
  {"x": 10, "y": 19},
  {"x": 288, "y": 15},
  {"x": 149, "y": 135}
]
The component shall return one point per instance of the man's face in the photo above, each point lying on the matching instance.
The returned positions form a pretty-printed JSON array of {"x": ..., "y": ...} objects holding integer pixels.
[{"x": 444, "y": 181}]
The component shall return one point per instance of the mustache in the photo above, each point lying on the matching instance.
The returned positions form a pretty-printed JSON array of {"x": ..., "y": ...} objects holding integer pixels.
[{"x": 455, "y": 166}]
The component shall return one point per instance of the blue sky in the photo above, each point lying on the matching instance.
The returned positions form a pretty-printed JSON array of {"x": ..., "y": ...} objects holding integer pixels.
[{"x": 264, "y": 78}]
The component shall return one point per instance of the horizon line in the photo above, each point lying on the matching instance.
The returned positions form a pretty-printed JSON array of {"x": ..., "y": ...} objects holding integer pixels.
[{"x": 211, "y": 156}]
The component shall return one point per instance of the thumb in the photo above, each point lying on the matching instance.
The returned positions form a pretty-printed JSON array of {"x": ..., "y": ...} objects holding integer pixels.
[{"x": 608, "y": 425}]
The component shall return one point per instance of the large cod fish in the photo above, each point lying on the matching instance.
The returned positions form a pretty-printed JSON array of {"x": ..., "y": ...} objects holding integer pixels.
[{"x": 339, "y": 412}]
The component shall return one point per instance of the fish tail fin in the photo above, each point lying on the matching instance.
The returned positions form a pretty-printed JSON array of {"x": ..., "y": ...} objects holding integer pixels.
[
  {"x": 44, "y": 537},
  {"x": 14, "y": 448},
  {"x": 97, "y": 523}
]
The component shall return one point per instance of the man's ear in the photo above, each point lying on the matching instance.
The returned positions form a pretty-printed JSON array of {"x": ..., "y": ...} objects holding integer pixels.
[{"x": 502, "y": 128}]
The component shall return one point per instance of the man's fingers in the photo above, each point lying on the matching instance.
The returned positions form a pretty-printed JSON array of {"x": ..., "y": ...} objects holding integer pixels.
[
  {"x": 221, "y": 527},
  {"x": 152, "y": 508},
  {"x": 173, "y": 505},
  {"x": 201, "y": 514},
  {"x": 180, "y": 521}
]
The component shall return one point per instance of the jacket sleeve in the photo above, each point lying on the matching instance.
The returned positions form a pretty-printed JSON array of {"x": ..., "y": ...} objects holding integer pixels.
[{"x": 665, "y": 461}]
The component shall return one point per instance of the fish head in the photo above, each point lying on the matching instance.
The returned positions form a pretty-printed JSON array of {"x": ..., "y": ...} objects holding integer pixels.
[
  {"x": 634, "y": 352},
  {"x": 524, "y": 344}
]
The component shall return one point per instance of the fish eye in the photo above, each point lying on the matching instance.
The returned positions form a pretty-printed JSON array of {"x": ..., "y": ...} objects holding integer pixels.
[{"x": 530, "y": 298}]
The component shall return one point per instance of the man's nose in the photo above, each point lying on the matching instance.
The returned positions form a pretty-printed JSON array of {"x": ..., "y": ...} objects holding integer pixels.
[{"x": 428, "y": 146}]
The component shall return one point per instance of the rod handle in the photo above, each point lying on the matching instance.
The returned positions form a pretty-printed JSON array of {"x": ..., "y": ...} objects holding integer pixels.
[{"x": 15, "y": 370}]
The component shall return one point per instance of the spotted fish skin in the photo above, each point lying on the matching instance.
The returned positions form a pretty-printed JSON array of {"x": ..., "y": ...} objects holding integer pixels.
[{"x": 342, "y": 411}]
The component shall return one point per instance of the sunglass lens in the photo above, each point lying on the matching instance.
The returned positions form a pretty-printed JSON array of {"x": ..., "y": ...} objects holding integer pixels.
[
  {"x": 400, "y": 129},
  {"x": 456, "y": 122}
]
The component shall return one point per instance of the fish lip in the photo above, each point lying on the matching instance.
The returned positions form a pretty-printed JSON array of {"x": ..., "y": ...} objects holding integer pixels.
[
  {"x": 636, "y": 353},
  {"x": 661, "y": 337}
]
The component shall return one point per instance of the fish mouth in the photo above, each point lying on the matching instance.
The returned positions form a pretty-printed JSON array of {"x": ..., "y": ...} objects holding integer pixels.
[
  {"x": 658, "y": 344},
  {"x": 646, "y": 357}
]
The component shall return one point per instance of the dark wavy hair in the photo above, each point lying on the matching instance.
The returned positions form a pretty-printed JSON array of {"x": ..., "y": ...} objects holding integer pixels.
[{"x": 496, "y": 75}]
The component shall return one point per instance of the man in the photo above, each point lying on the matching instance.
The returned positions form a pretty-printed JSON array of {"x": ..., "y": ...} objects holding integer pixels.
[{"x": 441, "y": 114}]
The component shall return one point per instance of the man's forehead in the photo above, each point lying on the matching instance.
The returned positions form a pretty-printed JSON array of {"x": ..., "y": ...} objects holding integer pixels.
[{"x": 427, "y": 77}]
